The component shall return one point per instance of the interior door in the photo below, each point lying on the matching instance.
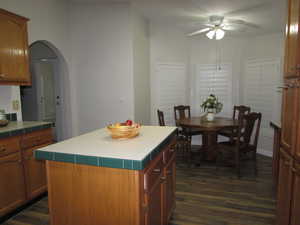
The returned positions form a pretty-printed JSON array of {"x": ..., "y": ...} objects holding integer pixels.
[{"x": 48, "y": 94}]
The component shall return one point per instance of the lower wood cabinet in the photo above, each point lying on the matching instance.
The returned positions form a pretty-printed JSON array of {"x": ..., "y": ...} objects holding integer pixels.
[
  {"x": 22, "y": 177},
  {"x": 288, "y": 196},
  {"x": 35, "y": 175},
  {"x": 295, "y": 207},
  {"x": 160, "y": 198},
  {"x": 12, "y": 186}
]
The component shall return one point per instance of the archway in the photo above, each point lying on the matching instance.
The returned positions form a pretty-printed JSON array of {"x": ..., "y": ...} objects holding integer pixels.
[{"x": 48, "y": 98}]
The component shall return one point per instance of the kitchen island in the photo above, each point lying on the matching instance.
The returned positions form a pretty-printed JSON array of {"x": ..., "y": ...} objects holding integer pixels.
[{"x": 96, "y": 180}]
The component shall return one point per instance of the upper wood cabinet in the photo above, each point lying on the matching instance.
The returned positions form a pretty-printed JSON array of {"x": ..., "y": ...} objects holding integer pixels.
[
  {"x": 14, "y": 65},
  {"x": 292, "y": 45}
]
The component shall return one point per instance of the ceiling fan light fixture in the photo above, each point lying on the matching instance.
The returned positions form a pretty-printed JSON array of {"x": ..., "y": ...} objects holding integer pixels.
[
  {"x": 219, "y": 34},
  {"x": 211, "y": 34}
]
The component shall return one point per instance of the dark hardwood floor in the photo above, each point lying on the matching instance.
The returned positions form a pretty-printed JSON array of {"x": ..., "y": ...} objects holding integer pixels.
[{"x": 204, "y": 197}]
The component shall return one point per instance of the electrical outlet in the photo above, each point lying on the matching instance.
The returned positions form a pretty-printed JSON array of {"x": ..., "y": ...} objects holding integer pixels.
[{"x": 15, "y": 105}]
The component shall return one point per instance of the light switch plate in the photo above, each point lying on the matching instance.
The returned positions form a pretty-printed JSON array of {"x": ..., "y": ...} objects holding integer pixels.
[{"x": 15, "y": 105}]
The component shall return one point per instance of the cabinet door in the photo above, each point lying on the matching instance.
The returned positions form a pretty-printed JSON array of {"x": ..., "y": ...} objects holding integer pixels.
[
  {"x": 289, "y": 115},
  {"x": 170, "y": 187},
  {"x": 13, "y": 49},
  {"x": 284, "y": 189},
  {"x": 292, "y": 46},
  {"x": 154, "y": 215},
  {"x": 35, "y": 174},
  {"x": 295, "y": 211},
  {"x": 12, "y": 187}
]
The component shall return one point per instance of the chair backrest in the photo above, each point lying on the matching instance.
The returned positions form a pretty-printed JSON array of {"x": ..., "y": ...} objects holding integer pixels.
[
  {"x": 182, "y": 111},
  {"x": 161, "y": 118},
  {"x": 239, "y": 111},
  {"x": 246, "y": 128}
]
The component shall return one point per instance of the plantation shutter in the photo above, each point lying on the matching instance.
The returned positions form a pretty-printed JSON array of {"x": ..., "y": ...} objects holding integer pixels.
[
  {"x": 262, "y": 77},
  {"x": 209, "y": 79},
  {"x": 171, "y": 88}
]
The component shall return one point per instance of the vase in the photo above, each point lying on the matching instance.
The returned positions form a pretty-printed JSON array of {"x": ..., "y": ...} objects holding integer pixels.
[{"x": 210, "y": 116}]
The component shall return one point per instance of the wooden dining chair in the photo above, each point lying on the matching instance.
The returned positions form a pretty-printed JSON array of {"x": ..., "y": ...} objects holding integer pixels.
[
  {"x": 182, "y": 142},
  {"x": 182, "y": 112},
  {"x": 238, "y": 113},
  {"x": 243, "y": 144},
  {"x": 161, "y": 118}
]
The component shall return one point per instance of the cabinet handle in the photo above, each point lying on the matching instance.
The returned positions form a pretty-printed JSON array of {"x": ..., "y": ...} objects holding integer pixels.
[
  {"x": 2, "y": 75},
  {"x": 156, "y": 170},
  {"x": 12, "y": 161},
  {"x": 163, "y": 179},
  {"x": 2, "y": 149}
]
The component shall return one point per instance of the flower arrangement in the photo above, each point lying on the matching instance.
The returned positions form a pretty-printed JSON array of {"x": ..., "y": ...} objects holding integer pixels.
[{"x": 212, "y": 104}]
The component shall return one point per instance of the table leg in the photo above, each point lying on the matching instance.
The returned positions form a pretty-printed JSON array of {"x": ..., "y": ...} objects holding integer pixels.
[{"x": 209, "y": 142}]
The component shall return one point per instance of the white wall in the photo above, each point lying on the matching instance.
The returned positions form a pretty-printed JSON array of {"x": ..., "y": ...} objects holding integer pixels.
[
  {"x": 101, "y": 45},
  {"x": 167, "y": 45},
  {"x": 141, "y": 67},
  {"x": 48, "y": 21}
]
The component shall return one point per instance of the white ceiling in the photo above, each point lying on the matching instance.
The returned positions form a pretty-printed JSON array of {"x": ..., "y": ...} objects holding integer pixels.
[{"x": 189, "y": 15}]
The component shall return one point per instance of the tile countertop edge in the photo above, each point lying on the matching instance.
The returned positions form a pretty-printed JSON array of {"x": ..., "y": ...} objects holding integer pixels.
[
  {"x": 103, "y": 161},
  {"x": 28, "y": 129}
]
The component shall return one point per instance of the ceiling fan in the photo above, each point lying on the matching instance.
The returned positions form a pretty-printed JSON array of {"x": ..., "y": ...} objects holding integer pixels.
[{"x": 217, "y": 27}]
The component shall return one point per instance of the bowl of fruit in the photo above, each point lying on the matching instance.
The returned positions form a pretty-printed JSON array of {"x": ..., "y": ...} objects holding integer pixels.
[{"x": 126, "y": 130}]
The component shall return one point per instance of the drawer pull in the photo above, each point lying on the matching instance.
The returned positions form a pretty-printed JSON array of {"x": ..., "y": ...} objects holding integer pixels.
[
  {"x": 12, "y": 161},
  {"x": 163, "y": 179},
  {"x": 156, "y": 170},
  {"x": 2, "y": 149},
  {"x": 2, "y": 75}
]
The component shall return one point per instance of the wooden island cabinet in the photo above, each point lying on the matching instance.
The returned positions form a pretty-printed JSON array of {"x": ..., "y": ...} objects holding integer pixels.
[
  {"x": 96, "y": 180},
  {"x": 22, "y": 177}
]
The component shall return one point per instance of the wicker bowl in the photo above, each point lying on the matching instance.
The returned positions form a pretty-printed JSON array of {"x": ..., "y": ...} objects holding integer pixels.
[
  {"x": 122, "y": 131},
  {"x": 3, "y": 123}
]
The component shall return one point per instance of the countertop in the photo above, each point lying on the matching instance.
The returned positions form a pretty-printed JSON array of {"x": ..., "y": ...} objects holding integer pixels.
[
  {"x": 99, "y": 149},
  {"x": 17, "y": 128},
  {"x": 275, "y": 124}
]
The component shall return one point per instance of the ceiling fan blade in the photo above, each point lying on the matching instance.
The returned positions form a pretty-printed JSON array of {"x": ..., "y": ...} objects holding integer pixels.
[
  {"x": 251, "y": 8},
  {"x": 199, "y": 31},
  {"x": 241, "y": 23}
]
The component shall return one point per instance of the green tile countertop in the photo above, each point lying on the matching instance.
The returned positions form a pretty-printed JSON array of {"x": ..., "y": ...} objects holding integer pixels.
[
  {"x": 97, "y": 148},
  {"x": 18, "y": 128}
]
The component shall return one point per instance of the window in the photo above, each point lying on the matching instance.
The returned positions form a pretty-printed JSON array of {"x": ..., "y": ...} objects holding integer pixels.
[
  {"x": 171, "y": 89},
  {"x": 262, "y": 76},
  {"x": 208, "y": 79}
]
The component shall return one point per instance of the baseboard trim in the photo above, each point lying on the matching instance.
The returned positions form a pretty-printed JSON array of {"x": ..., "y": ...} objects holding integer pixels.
[{"x": 264, "y": 152}]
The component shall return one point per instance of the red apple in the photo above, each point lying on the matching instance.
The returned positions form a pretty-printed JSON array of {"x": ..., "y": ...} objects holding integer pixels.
[{"x": 129, "y": 122}]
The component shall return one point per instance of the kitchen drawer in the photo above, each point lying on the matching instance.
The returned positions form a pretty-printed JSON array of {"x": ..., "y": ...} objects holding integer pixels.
[
  {"x": 9, "y": 145},
  {"x": 169, "y": 152},
  {"x": 36, "y": 138},
  {"x": 153, "y": 173}
]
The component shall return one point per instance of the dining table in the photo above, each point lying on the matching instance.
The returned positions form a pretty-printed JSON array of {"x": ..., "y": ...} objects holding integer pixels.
[{"x": 209, "y": 131}]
